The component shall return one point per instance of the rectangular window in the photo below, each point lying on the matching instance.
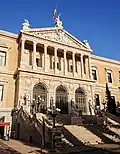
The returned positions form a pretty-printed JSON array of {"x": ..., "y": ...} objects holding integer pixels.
[
  {"x": 76, "y": 66},
  {"x": 84, "y": 66},
  {"x": 71, "y": 68},
  {"x": 2, "y": 58},
  {"x": 59, "y": 64},
  {"x": 38, "y": 62},
  {"x": 94, "y": 74},
  {"x": 109, "y": 77},
  {"x": 68, "y": 65},
  {"x": 30, "y": 57},
  {"x": 1, "y": 92},
  {"x": 50, "y": 62},
  {"x": 97, "y": 100}
]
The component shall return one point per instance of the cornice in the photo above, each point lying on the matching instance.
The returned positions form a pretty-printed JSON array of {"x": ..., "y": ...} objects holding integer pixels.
[
  {"x": 79, "y": 44},
  {"x": 103, "y": 59},
  {"x": 55, "y": 75},
  {"x": 8, "y": 34}
]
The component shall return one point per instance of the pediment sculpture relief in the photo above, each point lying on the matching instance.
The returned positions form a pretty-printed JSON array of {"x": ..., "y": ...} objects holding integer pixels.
[{"x": 57, "y": 36}]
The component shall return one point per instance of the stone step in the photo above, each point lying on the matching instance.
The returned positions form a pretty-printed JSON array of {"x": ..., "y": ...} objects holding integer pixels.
[{"x": 83, "y": 134}]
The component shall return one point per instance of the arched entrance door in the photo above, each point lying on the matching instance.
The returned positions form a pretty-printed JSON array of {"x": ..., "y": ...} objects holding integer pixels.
[
  {"x": 40, "y": 98},
  {"x": 62, "y": 99},
  {"x": 80, "y": 100}
]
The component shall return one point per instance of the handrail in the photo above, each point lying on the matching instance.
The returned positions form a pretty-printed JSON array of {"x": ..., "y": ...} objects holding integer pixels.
[
  {"x": 37, "y": 123},
  {"x": 113, "y": 117}
]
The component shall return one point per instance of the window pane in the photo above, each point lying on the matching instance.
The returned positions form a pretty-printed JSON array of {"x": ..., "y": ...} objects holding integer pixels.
[
  {"x": 109, "y": 77},
  {"x": 2, "y": 58},
  {"x": 1, "y": 92},
  {"x": 94, "y": 74}
]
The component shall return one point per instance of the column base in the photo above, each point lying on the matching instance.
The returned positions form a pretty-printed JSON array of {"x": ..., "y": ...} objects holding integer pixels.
[
  {"x": 34, "y": 67},
  {"x": 22, "y": 65}
]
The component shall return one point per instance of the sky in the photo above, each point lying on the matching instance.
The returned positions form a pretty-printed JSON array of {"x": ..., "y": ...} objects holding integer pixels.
[{"x": 97, "y": 21}]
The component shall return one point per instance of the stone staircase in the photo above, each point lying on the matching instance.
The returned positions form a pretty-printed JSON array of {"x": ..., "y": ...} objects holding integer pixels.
[
  {"x": 109, "y": 133},
  {"x": 89, "y": 133},
  {"x": 82, "y": 134}
]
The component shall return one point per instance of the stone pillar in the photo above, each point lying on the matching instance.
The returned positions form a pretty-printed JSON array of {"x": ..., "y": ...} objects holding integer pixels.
[
  {"x": 65, "y": 62},
  {"x": 89, "y": 67},
  {"x": 45, "y": 56},
  {"x": 82, "y": 67},
  {"x": 34, "y": 55},
  {"x": 22, "y": 51},
  {"x": 73, "y": 60},
  {"x": 55, "y": 59}
]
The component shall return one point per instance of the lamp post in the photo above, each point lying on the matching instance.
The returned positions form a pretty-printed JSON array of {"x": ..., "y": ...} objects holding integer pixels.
[
  {"x": 104, "y": 104},
  {"x": 53, "y": 112}
]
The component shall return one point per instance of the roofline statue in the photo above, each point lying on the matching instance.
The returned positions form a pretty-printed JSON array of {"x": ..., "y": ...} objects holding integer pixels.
[
  {"x": 58, "y": 22},
  {"x": 25, "y": 24}
]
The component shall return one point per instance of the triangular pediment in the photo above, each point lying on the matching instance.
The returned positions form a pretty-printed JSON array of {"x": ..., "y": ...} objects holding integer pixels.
[{"x": 57, "y": 35}]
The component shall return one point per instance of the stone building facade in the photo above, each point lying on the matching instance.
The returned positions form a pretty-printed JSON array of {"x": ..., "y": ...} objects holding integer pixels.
[{"x": 50, "y": 66}]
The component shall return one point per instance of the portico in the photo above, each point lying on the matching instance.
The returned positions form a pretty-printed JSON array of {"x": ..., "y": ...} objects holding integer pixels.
[{"x": 54, "y": 59}]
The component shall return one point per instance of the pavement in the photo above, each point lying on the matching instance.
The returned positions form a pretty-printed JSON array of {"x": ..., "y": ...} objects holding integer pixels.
[{"x": 19, "y": 147}]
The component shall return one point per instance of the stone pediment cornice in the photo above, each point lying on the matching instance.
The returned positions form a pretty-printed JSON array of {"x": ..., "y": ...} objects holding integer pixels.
[{"x": 57, "y": 35}]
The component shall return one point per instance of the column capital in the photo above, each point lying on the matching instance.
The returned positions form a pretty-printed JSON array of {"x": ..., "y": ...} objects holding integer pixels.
[
  {"x": 45, "y": 45},
  {"x": 23, "y": 39},
  {"x": 55, "y": 48},
  {"x": 35, "y": 42},
  {"x": 65, "y": 50},
  {"x": 73, "y": 53}
]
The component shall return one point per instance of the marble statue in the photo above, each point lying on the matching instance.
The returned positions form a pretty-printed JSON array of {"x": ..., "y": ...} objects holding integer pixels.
[
  {"x": 25, "y": 25},
  {"x": 58, "y": 22},
  {"x": 87, "y": 43}
]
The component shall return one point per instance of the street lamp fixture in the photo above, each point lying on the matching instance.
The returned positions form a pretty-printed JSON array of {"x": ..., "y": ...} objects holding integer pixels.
[{"x": 53, "y": 112}]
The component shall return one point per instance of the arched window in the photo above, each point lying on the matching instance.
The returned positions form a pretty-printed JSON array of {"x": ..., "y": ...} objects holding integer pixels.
[
  {"x": 40, "y": 98},
  {"x": 62, "y": 99}
]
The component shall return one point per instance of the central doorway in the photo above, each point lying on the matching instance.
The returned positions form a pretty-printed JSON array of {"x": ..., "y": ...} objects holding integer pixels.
[
  {"x": 62, "y": 99},
  {"x": 80, "y": 99}
]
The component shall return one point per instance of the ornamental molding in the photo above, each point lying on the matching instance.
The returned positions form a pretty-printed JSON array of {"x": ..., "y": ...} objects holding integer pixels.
[
  {"x": 2, "y": 44},
  {"x": 57, "y": 35}
]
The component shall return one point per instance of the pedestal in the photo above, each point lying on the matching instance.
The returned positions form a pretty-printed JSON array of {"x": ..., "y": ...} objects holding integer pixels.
[
  {"x": 76, "y": 120},
  {"x": 100, "y": 120}
]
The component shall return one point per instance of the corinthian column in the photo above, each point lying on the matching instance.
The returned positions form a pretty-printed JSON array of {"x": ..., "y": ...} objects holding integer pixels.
[
  {"x": 65, "y": 62},
  {"x": 82, "y": 67},
  {"x": 73, "y": 60},
  {"x": 45, "y": 56},
  {"x": 34, "y": 55},
  {"x": 55, "y": 58}
]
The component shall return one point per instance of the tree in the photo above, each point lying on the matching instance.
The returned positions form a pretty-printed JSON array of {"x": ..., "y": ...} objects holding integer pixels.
[{"x": 111, "y": 106}]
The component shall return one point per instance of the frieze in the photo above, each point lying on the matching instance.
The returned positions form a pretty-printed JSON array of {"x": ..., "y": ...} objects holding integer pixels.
[{"x": 57, "y": 36}]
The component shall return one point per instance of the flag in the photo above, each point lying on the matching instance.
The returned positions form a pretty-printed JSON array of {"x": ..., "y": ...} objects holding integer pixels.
[{"x": 55, "y": 14}]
